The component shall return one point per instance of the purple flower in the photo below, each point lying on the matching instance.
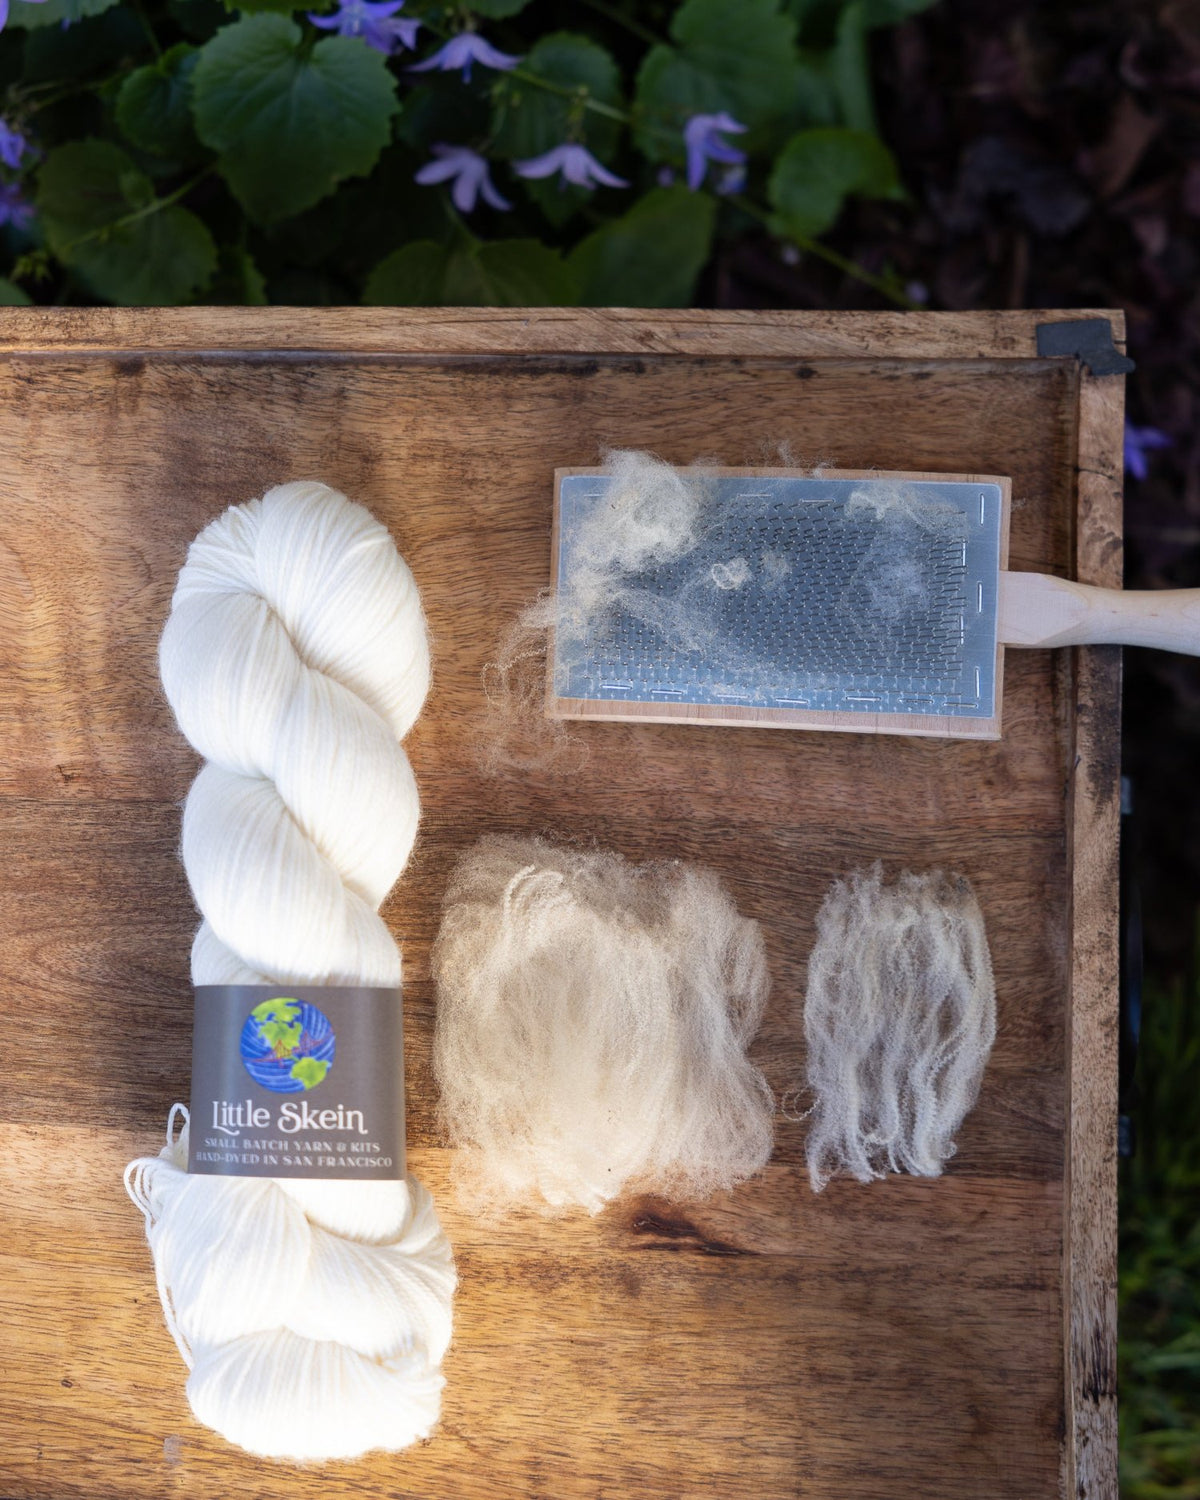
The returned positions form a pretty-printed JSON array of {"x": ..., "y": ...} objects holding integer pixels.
[
  {"x": 470, "y": 173},
  {"x": 702, "y": 140},
  {"x": 462, "y": 51},
  {"x": 4, "y": 11},
  {"x": 13, "y": 145},
  {"x": 576, "y": 163},
  {"x": 1138, "y": 442},
  {"x": 375, "y": 23},
  {"x": 13, "y": 208}
]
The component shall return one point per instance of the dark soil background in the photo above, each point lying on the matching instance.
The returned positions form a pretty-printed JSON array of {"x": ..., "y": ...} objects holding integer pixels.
[{"x": 1052, "y": 152}]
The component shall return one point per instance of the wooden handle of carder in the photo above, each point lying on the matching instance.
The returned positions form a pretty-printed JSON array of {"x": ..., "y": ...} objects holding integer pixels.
[{"x": 1037, "y": 609}]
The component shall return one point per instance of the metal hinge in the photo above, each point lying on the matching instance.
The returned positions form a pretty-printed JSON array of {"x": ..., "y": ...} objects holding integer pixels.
[{"x": 1090, "y": 340}]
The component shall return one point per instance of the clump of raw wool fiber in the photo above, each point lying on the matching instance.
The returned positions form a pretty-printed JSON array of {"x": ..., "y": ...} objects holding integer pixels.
[
  {"x": 592, "y": 1026},
  {"x": 651, "y": 515},
  {"x": 313, "y": 1315},
  {"x": 899, "y": 1020}
]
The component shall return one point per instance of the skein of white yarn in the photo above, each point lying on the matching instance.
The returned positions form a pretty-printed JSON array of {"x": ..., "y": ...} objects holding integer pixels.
[{"x": 313, "y": 1315}]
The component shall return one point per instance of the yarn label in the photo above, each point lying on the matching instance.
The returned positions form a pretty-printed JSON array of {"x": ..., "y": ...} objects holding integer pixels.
[{"x": 297, "y": 1081}]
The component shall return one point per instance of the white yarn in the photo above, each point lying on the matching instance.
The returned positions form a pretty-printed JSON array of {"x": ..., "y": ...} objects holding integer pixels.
[
  {"x": 593, "y": 1019},
  {"x": 899, "y": 1020},
  {"x": 313, "y": 1314}
]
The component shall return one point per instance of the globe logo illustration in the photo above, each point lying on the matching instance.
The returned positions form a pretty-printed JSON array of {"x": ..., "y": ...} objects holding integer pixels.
[{"x": 287, "y": 1045}]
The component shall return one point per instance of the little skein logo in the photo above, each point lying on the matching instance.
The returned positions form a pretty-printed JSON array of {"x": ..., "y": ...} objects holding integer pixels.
[
  {"x": 287, "y": 1045},
  {"x": 298, "y": 1110}
]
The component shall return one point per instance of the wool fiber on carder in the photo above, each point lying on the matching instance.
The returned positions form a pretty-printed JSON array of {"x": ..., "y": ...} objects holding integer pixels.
[
  {"x": 653, "y": 515},
  {"x": 313, "y": 1314},
  {"x": 899, "y": 1021},
  {"x": 810, "y": 600},
  {"x": 593, "y": 1020}
]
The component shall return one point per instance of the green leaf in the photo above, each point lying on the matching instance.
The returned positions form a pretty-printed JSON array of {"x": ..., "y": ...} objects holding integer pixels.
[
  {"x": 162, "y": 260},
  {"x": 500, "y": 273},
  {"x": 290, "y": 120},
  {"x": 54, "y": 12},
  {"x": 816, "y": 100},
  {"x": 749, "y": 49},
  {"x": 309, "y": 1071},
  {"x": 529, "y": 120},
  {"x": 510, "y": 273},
  {"x": 850, "y": 69},
  {"x": 88, "y": 48},
  {"x": 560, "y": 201},
  {"x": 282, "y": 7},
  {"x": 669, "y": 90},
  {"x": 154, "y": 105},
  {"x": 496, "y": 10},
  {"x": 162, "y": 256},
  {"x": 742, "y": 61},
  {"x": 372, "y": 215},
  {"x": 816, "y": 171},
  {"x": 412, "y": 276},
  {"x": 11, "y": 295},
  {"x": 651, "y": 256}
]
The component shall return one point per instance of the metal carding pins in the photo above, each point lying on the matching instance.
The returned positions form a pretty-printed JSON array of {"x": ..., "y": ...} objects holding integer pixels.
[{"x": 861, "y": 601}]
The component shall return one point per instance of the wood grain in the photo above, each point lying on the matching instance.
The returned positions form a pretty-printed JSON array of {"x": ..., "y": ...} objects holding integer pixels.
[
  {"x": 359, "y": 333},
  {"x": 908, "y": 1339},
  {"x": 1090, "y": 1228}
]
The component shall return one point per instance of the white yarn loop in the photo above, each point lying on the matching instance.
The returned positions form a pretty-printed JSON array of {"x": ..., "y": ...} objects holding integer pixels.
[{"x": 314, "y": 1315}]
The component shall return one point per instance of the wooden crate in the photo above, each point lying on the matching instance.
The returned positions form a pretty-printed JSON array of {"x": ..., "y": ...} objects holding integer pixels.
[{"x": 911, "y": 1338}]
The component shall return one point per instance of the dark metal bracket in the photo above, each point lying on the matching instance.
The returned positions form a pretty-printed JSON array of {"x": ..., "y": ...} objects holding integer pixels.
[{"x": 1090, "y": 340}]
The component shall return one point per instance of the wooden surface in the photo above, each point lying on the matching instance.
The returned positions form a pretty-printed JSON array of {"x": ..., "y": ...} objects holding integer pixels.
[
  {"x": 951, "y": 1338},
  {"x": 1090, "y": 1229}
]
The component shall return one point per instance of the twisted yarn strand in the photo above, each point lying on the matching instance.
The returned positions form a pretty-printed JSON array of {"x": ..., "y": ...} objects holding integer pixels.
[{"x": 313, "y": 1315}]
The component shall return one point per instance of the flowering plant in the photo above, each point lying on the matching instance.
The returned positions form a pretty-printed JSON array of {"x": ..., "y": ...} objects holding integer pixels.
[{"x": 407, "y": 151}]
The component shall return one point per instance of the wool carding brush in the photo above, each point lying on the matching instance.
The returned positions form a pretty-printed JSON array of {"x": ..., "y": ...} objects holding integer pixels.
[{"x": 861, "y": 601}]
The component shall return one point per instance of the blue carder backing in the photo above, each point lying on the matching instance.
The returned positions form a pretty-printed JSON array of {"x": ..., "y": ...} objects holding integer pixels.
[{"x": 846, "y": 595}]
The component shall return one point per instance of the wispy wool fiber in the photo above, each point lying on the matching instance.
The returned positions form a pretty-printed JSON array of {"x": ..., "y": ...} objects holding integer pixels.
[
  {"x": 652, "y": 514},
  {"x": 899, "y": 1020},
  {"x": 592, "y": 1029},
  {"x": 313, "y": 1315}
]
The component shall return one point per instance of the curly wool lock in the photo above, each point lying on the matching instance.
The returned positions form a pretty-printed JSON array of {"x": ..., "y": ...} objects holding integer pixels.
[
  {"x": 899, "y": 1021},
  {"x": 313, "y": 1315},
  {"x": 593, "y": 1021}
]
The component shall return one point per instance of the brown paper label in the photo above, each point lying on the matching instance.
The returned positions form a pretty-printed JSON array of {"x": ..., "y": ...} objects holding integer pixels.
[{"x": 297, "y": 1081}]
